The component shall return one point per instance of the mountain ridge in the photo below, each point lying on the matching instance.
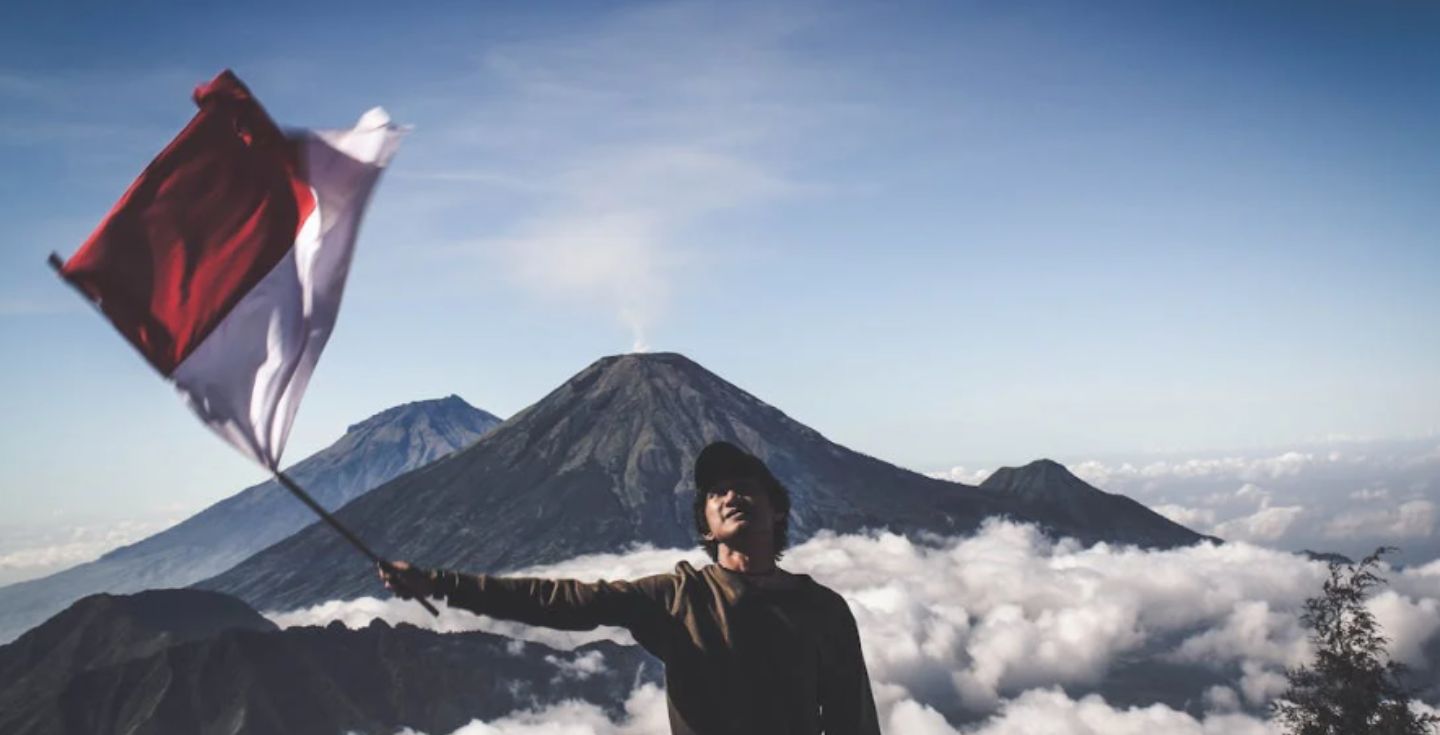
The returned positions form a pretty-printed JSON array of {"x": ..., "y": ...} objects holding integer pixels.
[
  {"x": 105, "y": 630},
  {"x": 1045, "y": 483},
  {"x": 603, "y": 461},
  {"x": 195, "y": 661}
]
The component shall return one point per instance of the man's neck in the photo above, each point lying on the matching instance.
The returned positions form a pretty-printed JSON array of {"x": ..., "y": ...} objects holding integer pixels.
[{"x": 759, "y": 561}]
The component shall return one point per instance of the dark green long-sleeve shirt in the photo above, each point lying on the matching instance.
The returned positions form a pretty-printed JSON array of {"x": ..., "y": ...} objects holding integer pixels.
[{"x": 744, "y": 654}]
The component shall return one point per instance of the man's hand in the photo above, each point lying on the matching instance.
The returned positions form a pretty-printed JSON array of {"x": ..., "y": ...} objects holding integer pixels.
[{"x": 406, "y": 581}]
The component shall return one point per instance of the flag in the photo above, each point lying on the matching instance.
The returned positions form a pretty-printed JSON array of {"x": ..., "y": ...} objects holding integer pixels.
[{"x": 225, "y": 261}]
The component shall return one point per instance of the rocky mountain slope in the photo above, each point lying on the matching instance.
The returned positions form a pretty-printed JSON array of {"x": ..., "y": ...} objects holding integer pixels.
[
  {"x": 100, "y": 631},
  {"x": 187, "y": 661},
  {"x": 1044, "y": 490},
  {"x": 604, "y": 462}
]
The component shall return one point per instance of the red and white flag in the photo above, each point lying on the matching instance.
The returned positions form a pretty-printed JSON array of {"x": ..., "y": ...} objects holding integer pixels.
[{"x": 224, "y": 263}]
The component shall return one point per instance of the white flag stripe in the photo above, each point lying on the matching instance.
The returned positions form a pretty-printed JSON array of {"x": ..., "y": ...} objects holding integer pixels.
[{"x": 246, "y": 379}]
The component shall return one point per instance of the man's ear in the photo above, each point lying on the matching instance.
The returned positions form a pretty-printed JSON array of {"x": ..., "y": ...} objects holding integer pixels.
[{"x": 708, "y": 536}]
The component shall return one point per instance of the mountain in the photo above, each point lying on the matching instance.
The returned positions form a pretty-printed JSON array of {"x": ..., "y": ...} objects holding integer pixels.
[
  {"x": 371, "y": 452},
  {"x": 199, "y": 662},
  {"x": 1047, "y": 492},
  {"x": 604, "y": 462},
  {"x": 103, "y": 630}
]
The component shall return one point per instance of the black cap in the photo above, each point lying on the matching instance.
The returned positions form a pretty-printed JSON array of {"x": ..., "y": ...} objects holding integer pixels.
[{"x": 725, "y": 461}]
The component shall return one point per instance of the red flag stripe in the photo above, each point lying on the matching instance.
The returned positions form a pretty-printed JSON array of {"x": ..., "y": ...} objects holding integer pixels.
[{"x": 204, "y": 223}]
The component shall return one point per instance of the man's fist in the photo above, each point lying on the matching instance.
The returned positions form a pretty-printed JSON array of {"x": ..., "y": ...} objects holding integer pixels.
[{"x": 406, "y": 581}]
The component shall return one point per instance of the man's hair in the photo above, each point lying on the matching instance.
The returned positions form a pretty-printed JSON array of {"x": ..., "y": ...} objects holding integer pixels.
[{"x": 779, "y": 500}]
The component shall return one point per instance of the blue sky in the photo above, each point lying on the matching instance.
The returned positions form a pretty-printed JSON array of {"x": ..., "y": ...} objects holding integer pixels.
[{"x": 938, "y": 233}]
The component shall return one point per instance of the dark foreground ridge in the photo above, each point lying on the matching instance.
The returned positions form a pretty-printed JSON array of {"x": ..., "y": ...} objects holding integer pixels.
[
  {"x": 186, "y": 661},
  {"x": 102, "y": 631},
  {"x": 603, "y": 462}
]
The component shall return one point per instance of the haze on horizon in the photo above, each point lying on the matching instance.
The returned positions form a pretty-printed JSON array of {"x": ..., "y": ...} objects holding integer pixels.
[{"x": 939, "y": 234}]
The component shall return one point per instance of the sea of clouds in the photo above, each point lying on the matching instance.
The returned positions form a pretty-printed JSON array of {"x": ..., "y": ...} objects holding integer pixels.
[
  {"x": 1007, "y": 631},
  {"x": 37, "y": 549},
  {"x": 1344, "y": 497}
]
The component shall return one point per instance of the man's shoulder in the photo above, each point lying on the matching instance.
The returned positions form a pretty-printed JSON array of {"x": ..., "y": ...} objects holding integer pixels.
[{"x": 827, "y": 596}]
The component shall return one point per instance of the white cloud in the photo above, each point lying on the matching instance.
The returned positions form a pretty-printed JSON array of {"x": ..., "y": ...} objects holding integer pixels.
[
  {"x": 1006, "y": 610},
  {"x": 1266, "y": 525},
  {"x": 1051, "y": 712},
  {"x": 34, "y": 551},
  {"x": 962, "y": 474},
  {"x": 996, "y": 621},
  {"x": 909, "y": 716},
  {"x": 612, "y": 258},
  {"x": 1407, "y": 623},
  {"x": 1415, "y": 518},
  {"x": 1251, "y": 631},
  {"x": 1221, "y": 698},
  {"x": 1355, "y": 496},
  {"x": 1245, "y": 468},
  {"x": 1412, "y": 519},
  {"x": 970, "y": 624},
  {"x": 644, "y": 715},
  {"x": 1047, "y": 712},
  {"x": 579, "y": 667},
  {"x": 1367, "y": 494},
  {"x": 1260, "y": 684},
  {"x": 1196, "y": 518},
  {"x": 1253, "y": 493},
  {"x": 1262, "y": 526},
  {"x": 639, "y": 561}
]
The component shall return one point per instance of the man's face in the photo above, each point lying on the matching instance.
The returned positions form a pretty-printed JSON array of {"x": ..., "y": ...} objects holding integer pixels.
[{"x": 738, "y": 511}]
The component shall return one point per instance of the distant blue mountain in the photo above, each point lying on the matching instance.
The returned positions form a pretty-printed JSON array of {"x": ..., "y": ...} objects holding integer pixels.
[{"x": 372, "y": 452}]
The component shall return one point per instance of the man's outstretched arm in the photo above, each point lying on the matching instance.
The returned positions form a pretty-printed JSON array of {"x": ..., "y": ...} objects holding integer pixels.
[{"x": 565, "y": 604}]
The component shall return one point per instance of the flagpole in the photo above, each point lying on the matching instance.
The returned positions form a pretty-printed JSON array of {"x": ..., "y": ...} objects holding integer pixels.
[
  {"x": 58, "y": 263},
  {"x": 354, "y": 540}
]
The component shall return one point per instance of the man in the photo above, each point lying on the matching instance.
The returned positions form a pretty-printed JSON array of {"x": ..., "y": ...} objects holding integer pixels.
[{"x": 749, "y": 648}]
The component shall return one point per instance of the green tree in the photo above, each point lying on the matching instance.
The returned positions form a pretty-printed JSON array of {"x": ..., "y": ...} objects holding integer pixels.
[{"x": 1353, "y": 687}]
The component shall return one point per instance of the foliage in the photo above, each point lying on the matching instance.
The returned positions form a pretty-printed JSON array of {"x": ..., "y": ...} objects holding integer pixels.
[{"x": 1353, "y": 687}]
